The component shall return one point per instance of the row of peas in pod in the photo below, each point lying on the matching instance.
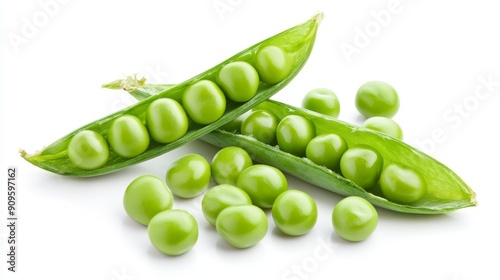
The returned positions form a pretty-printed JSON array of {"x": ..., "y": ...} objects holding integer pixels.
[
  {"x": 235, "y": 205},
  {"x": 167, "y": 120}
]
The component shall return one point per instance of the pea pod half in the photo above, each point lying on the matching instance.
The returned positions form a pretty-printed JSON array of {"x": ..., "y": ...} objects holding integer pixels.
[
  {"x": 296, "y": 42},
  {"x": 446, "y": 191}
]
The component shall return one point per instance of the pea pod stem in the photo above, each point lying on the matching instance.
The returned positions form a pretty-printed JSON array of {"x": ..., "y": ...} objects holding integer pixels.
[{"x": 446, "y": 190}]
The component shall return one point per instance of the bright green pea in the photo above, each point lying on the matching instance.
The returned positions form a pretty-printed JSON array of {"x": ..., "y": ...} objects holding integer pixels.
[
  {"x": 294, "y": 133},
  {"x": 127, "y": 136},
  {"x": 402, "y": 184},
  {"x": 166, "y": 120},
  {"x": 239, "y": 80},
  {"x": 362, "y": 164},
  {"x": 228, "y": 163},
  {"x": 145, "y": 197},
  {"x": 219, "y": 198},
  {"x": 242, "y": 226},
  {"x": 88, "y": 150},
  {"x": 294, "y": 212},
  {"x": 173, "y": 232},
  {"x": 261, "y": 125},
  {"x": 204, "y": 102},
  {"x": 384, "y": 125},
  {"x": 188, "y": 176},
  {"x": 272, "y": 64},
  {"x": 327, "y": 150},
  {"x": 323, "y": 101},
  {"x": 354, "y": 218},
  {"x": 263, "y": 183},
  {"x": 376, "y": 98}
]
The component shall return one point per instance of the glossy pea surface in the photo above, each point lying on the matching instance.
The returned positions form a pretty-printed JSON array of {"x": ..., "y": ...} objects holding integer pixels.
[
  {"x": 294, "y": 133},
  {"x": 323, "y": 101},
  {"x": 88, "y": 150},
  {"x": 188, "y": 176},
  {"x": 402, "y": 184},
  {"x": 377, "y": 98},
  {"x": 362, "y": 164},
  {"x": 219, "y": 198},
  {"x": 239, "y": 80},
  {"x": 261, "y": 125},
  {"x": 354, "y": 218},
  {"x": 145, "y": 197},
  {"x": 294, "y": 212},
  {"x": 173, "y": 232},
  {"x": 166, "y": 120},
  {"x": 204, "y": 102},
  {"x": 228, "y": 163},
  {"x": 272, "y": 64},
  {"x": 128, "y": 136},
  {"x": 384, "y": 125},
  {"x": 327, "y": 150},
  {"x": 263, "y": 183},
  {"x": 242, "y": 226}
]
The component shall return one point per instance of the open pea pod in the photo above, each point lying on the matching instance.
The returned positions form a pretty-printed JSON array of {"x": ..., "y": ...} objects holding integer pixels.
[
  {"x": 297, "y": 42},
  {"x": 446, "y": 191}
]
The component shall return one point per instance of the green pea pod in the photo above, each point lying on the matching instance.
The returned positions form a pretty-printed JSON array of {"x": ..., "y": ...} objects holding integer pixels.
[
  {"x": 445, "y": 190},
  {"x": 297, "y": 42}
]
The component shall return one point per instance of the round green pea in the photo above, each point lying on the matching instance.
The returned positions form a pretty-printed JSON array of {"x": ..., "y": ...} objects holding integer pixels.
[
  {"x": 239, "y": 80},
  {"x": 261, "y": 125},
  {"x": 242, "y": 226},
  {"x": 166, "y": 120},
  {"x": 326, "y": 150},
  {"x": 219, "y": 198},
  {"x": 173, "y": 232},
  {"x": 88, "y": 150},
  {"x": 145, "y": 197},
  {"x": 228, "y": 163},
  {"x": 272, "y": 64},
  {"x": 294, "y": 212},
  {"x": 354, "y": 218},
  {"x": 323, "y": 101},
  {"x": 384, "y": 125},
  {"x": 294, "y": 133},
  {"x": 204, "y": 102},
  {"x": 376, "y": 98},
  {"x": 263, "y": 183},
  {"x": 402, "y": 184},
  {"x": 128, "y": 136},
  {"x": 362, "y": 164},
  {"x": 188, "y": 176}
]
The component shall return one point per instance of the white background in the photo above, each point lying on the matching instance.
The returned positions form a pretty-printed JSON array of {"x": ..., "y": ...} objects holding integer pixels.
[{"x": 434, "y": 53}]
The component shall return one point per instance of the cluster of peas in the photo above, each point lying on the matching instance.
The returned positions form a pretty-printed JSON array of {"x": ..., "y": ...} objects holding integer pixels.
[{"x": 166, "y": 120}]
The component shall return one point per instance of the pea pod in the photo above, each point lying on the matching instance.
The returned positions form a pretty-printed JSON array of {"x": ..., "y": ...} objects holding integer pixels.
[
  {"x": 297, "y": 42},
  {"x": 446, "y": 191}
]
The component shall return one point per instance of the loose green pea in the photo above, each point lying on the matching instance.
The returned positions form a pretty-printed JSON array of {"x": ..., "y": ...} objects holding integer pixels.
[
  {"x": 402, "y": 184},
  {"x": 294, "y": 212},
  {"x": 145, "y": 197},
  {"x": 327, "y": 150},
  {"x": 272, "y": 64},
  {"x": 323, "y": 101},
  {"x": 219, "y": 198},
  {"x": 261, "y": 125},
  {"x": 88, "y": 150},
  {"x": 362, "y": 164},
  {"x": 354, "y": 218},
  {"x": 239, "y": 80},
  {"x": 228, "y": 163},
  {"x": 173, "y": 232},
  {"x": 294, "y": 133},
  {"x": 127, "y": 136},
  {"x": 166, "y": 120},
  {"x": 376, "y": 98},
  {"x": 204, "y": 102},
  {"x": 384, "y": 125},
  {"x": 188, "y": 176},
  {"x": 263, "y": 183},
  {"x": 242, "y": 226}
]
